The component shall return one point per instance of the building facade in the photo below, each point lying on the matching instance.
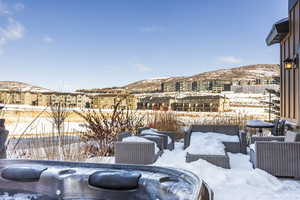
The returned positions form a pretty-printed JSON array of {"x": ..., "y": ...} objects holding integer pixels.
[
  {"x": 71, "y": 100},
  {"x": 209, "y": 103},
  {"x": 286, "y": 32},
  {"x": 107, "y": 101},
  {"x": 215, "y": 86}
]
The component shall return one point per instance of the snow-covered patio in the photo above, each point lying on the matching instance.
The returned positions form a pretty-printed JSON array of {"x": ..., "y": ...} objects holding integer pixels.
[{"x": 241, "y": 182}]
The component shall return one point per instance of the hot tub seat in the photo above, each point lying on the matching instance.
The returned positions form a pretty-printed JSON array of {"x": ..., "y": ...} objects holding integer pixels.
[
  {"x": 22, "y": 174},
  {"x": 115, "y": 180}
]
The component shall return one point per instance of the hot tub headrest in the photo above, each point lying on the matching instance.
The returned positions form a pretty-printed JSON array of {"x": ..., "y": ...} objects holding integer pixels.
[
  {"x": 115, "y": 180},
  {"x": 22, "y": 174}
]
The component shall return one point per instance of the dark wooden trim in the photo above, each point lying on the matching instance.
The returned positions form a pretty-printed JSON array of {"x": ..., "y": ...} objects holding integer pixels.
[{"x": 292, "y": 4}]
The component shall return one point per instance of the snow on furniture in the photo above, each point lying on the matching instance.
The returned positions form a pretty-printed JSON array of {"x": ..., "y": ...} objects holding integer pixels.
[
  {"x": 260, "y": 125},
  {"x": 281, "y": 158},
  {"x": 209, "y": 147},
  {"x": 123, "y": 135},
  {"x": 209, "y": 143},
  {"x": 142, "y": 140},
  {"x": 136, "y": 150},
  {"x": 168, "y": 137},
  {"x": 239, "y": 145}
]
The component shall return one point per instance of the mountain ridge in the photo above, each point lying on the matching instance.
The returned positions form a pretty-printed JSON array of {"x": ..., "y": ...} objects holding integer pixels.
[
  {"x": 246, "y": 72},
  {"x": 154, "y": 84}
]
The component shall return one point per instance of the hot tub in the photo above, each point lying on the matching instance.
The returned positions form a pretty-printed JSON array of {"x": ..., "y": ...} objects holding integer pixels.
[{"x": 51, "y": 180}]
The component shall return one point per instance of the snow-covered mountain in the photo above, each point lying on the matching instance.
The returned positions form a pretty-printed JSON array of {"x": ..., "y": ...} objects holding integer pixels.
[
  {"x": 243, "y": 72},
  {"x": 20, "y": 86}
]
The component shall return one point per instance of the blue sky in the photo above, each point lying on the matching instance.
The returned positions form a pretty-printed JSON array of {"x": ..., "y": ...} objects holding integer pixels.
[{"x": 69, "y": 44}]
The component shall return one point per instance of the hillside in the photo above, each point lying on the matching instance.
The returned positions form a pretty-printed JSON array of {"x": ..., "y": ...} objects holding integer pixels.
[
  {"x": 243, "y": 72},
  {"x": 20, "y": 86},
  {"x": 153, "y": 85}
]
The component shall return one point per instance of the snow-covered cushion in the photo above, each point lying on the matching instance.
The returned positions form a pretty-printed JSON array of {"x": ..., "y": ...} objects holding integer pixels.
[
  {"x": 220, "y": 136},
  {"x": 153, "y": 131},
  {"x": 140, "y": 139},
  {"x": 206, "y": 144},
  {"x": 292, "y": 137},
  {"x": 252, "y": 147}
]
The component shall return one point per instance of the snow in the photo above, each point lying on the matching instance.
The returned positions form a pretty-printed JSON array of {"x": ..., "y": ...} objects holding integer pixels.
[
  {"x": 241, "y": 182},
  {"x": 203, "y": 144},
  {"x": 217, "y": 136},
  {"x": 20, "y": 196},
  {"x": 258, "y": 123},
  {"x": 140, "y": 139},
  {"x": 100, "y": 159},
  {"x": 209, "y": 143},
  {"x": 41, "y": 126},
  {"x": 264, "y": 72},
  {"x": 252, "y": 146}
]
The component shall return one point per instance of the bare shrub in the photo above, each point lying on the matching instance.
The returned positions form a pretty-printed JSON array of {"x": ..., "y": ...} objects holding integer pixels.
[
  {"x": 236, "y": 119},
  {"x": 58, "y": 116},
  {"x": 103, "y": 127},
  {"x": 165, "y": 121}
]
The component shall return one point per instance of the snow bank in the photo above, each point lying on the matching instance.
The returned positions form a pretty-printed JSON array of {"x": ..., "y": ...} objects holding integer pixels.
[{"x": 241, "y": 182}]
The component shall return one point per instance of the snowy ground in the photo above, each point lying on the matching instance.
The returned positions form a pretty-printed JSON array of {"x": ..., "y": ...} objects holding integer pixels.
[
  {"x": 41, "y": 126},
  {"x": 241, "y": 182}
]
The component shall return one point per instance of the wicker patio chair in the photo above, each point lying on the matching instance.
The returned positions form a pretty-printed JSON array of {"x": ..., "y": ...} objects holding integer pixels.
[
  {"x": 157, "y": 139},
  {"x": 165, "y": 135},
  {"x": 275, "y": 129},
  {"x": 136, "y": 153},
  {"x": 281, "y": 127},
  {"x": 172, "y": 135},
  {"x": 279, "y": 156}
]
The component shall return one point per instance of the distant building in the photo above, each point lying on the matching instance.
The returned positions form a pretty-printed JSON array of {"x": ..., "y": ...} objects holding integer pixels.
[
  {"x": 154, "y": 103},
  {"x": 71, "y": 100},
  {"x": 214, "y": 86},
  {"x": 209, "y": 103},
  {"x": 107, "y": 101}
]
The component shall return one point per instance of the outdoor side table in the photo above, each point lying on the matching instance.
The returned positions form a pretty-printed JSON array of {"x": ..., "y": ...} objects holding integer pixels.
[{"x": 260, "y": 125}]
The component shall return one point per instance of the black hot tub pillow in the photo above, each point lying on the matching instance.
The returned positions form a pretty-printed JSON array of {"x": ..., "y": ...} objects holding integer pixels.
[
  {"x": 22, "y": 174},
  {"x": 115, "y": 180}
]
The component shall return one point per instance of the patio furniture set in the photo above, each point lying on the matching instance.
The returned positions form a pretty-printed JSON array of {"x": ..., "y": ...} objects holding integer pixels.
[{"x": 278, "y": 154}]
